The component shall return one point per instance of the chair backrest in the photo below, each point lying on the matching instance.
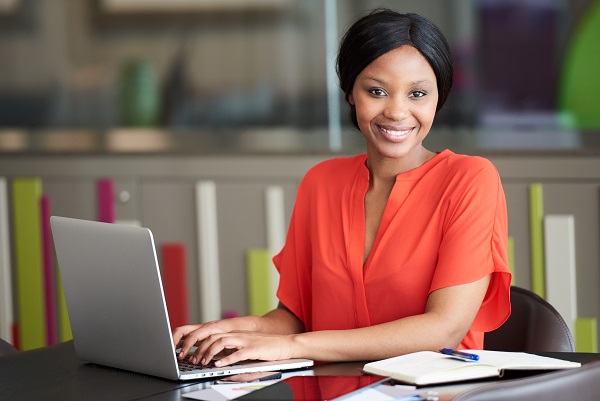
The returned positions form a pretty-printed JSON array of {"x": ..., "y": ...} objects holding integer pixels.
[
  {"x": 533, "y": 326},
  {"x": 6, "y": 348},
  {"x": 579, "y": 384}
]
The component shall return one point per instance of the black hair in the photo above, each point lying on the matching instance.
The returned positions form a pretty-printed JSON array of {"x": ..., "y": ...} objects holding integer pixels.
[{"x": 383, "y": 30}]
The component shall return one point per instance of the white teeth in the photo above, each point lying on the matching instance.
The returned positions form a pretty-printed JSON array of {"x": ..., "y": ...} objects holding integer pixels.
[{"x": 395, "y": 133}]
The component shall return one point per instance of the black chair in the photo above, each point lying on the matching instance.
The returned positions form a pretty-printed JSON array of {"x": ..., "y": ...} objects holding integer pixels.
[
  {"x": 6, "y": 348},
  {"x": 581, "y": 384},
  {"x": 533, "y": 326}
]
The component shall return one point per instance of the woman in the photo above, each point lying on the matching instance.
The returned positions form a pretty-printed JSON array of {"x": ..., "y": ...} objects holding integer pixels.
[{"x": 391, "y": 252}]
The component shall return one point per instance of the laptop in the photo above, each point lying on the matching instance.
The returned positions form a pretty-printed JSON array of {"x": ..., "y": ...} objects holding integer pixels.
[{"x": 116, "y": 304}]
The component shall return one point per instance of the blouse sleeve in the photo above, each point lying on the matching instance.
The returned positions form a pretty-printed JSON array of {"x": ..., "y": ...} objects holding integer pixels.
[
  {"x": 474, "y": 245},
  {"x": 293, "y": 262}
]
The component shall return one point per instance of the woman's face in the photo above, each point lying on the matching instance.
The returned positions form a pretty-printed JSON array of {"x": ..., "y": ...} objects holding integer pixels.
[{"x": 395, "y": 98}]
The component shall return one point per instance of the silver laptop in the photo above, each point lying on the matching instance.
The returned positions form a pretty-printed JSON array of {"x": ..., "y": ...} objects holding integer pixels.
[{"x": 116, "y": 305}]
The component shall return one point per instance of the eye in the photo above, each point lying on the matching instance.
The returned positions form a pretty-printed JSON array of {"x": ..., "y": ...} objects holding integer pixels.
[
  {"x": 418, "y": 94},
  {"x": 377, "y": 92}
]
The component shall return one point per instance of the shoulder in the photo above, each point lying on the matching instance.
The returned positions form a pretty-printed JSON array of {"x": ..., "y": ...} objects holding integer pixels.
[
  {"x": 334, "y": 169},
  {"x": 471, "y": 168},
  {"x": 337, "y": 164},
  {"x": 460, "y": 177},
  {"x": 465, "y": 163},
  {"x": 326, "y": 180}
]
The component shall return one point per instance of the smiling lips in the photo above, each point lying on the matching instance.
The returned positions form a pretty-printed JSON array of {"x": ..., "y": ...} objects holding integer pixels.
[{"x": 395, "y": 134}]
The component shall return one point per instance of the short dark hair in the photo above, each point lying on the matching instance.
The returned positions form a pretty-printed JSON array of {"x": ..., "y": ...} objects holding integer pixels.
[{"x": 383, "y": 30}]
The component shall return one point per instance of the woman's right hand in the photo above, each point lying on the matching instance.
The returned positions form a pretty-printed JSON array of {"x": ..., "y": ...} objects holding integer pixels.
[{"x": 185, "y": 337}]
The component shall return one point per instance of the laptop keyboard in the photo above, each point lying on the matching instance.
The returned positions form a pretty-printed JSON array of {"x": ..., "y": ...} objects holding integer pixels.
[{"x": 186, "y": 366}]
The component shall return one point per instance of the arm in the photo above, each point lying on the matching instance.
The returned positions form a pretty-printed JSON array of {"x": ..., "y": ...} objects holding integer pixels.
[
  {"x": 280, "y": 321},
  {"x": 448, "y": 316},
  {"x": 449, "y": 313}
]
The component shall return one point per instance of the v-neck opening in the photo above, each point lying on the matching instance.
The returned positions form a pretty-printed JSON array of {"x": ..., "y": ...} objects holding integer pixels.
[{"x": 395, "y": 201}]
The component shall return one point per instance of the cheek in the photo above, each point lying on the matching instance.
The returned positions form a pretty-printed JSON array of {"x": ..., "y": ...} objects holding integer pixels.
[
  {"x": 364, "y": 110},
  {"x": 364, "y": 116},
  {"x": 427, "y": 114}
]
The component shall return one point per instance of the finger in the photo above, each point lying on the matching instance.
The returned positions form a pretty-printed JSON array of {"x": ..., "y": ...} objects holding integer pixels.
[
  {"x": 200, "y": 338},
  {"x": 188, "y": 342},
  {"x": 178, "y": 334},
  {"x": 218, "y": 347},
  {"x": 204, "y": 337},
  {"x": 182, "y": 331},
  {"x": 238, "y": 355},
  {"x": 212, "y": 345},
  {"x": 198, "y": 357}
]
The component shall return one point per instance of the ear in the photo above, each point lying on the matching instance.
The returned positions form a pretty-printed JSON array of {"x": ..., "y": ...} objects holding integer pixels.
[{"x": 351, "y": 99}]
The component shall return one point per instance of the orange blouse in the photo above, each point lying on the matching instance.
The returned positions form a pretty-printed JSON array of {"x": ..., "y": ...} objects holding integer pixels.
[{"x": 444, "y": 224}]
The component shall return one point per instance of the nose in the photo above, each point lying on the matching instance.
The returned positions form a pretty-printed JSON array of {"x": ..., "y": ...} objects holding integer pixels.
[{"x": 397, "y": 108}]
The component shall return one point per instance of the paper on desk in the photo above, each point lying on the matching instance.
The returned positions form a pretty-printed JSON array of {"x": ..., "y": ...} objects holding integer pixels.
[
  {"x": 225, "y": 392},
  {"x": 383, "y": 393},
  {"x": 207, "y": 394}
]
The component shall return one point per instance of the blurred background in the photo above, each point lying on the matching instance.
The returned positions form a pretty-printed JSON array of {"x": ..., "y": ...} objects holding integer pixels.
[
  {"x": 153, "y": 112},
  {"x": 186, "y": 65}
]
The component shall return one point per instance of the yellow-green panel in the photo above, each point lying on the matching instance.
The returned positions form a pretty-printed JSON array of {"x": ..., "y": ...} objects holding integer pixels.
[
  {"x": 510, "y": 245},
  {"x": 586, "y": 337},
  {"x": 536, "y": 237},
  {"x": 259, "y": 292},
  {"x": 26, "y": 194}
]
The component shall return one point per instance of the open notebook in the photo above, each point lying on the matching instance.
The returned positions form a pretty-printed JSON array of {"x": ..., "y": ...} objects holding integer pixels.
[
  {"x": 428, "y": 367},
  {"x": 116, "y": 305}
]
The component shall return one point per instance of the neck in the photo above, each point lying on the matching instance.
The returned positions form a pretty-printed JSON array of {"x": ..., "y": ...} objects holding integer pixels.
[{"x": 385, "y": 169}]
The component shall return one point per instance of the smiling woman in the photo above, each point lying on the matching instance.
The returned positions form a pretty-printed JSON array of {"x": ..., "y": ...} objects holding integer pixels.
[
  {"x": 394, "y": 251},
  {"x": 393, "y": 32},
  {"x": 395, "y": 99}
]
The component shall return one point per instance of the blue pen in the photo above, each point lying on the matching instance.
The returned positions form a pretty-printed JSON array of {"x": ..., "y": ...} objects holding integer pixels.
[{"x": 460, "y": 354}]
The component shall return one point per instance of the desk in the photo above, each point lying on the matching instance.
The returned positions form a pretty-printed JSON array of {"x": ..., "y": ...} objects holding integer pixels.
[{"x": 55, "y": 373}]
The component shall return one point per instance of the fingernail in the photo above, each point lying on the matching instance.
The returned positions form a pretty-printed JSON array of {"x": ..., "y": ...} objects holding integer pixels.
[{"x": 203, "y": 361}]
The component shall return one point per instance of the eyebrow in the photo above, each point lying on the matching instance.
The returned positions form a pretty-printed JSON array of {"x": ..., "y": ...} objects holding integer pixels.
[{"x": 381, "y": 81}]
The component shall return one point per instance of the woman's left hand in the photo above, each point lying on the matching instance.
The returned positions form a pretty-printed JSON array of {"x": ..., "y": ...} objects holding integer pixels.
[{"x": 243, "y": 345}]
